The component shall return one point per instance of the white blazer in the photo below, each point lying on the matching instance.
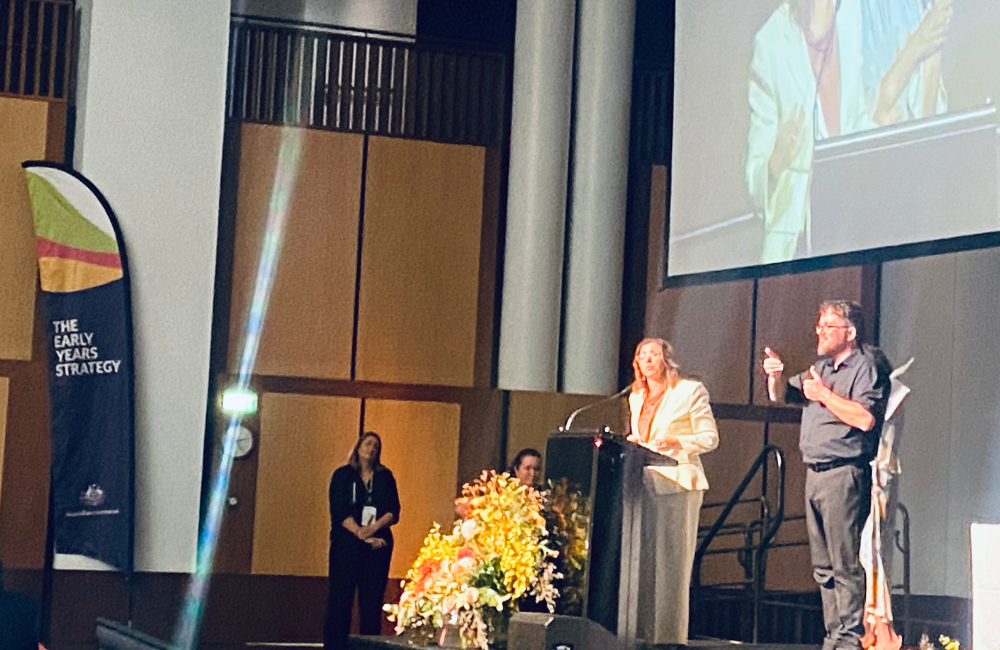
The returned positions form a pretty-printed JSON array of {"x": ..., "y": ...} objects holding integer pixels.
[
  {"x": 683, "y": 412},
  {"x": 781, "y": 82}
]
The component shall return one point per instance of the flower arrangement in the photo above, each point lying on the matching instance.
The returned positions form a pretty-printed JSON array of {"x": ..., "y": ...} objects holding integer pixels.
[
  {"x": 474, "y": 576},
  {"x": 947, "y": 643},
  {"x": 568, "y": 518}
]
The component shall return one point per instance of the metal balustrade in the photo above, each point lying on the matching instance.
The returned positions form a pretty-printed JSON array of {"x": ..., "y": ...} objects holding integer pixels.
[
  {"x": 36, "y": 39},
  {"x": 326, "y": 78}
]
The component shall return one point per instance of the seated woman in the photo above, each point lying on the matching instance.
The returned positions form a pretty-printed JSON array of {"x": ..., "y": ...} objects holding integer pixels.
[
  {"x": 527, "y": 466},
  {"x": 671, "y": 416}
]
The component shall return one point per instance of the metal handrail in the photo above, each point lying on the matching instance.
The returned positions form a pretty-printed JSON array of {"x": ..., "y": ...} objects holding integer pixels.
[
  {"x": 719, "y": 504},
  {"x": 340, "y": 30},
  {"x": 771, "y": 529},
  {"x": 902, "y": 540}
]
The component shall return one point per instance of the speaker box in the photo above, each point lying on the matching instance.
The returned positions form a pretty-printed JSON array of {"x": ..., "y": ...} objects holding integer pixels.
[
  {"x": 115, "y": 636},
  {"x": 529, "y": 631}
]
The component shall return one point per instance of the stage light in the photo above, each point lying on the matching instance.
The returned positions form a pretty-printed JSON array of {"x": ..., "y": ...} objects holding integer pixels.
[{"x": 238, "y": 401}]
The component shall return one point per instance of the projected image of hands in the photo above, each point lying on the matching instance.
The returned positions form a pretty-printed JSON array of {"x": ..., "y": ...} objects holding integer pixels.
[{"x": 866, "y": 124}]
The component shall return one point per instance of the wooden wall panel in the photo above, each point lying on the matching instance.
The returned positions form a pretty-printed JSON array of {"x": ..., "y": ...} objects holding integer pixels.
[
  {"x": 725, "y": 467},
  {"x": 722, "y": 568},
  {"x": 309, "y": 327},
  {"x": 710, "y": 328},
  {"x": 786, "y": 437},
  {"x": 481, "y": 442},
  {"x": 26, "y": 456},
  {"x": 486, "y": 333},
  {"x": 240, "y": 610},
  {"x": 303, "y": 439},
  {"x": 420, "y": 263},
  {"x": 790, "y": 567},
  {"x": 79, "y": 598},
  {"x": 234, "y": 548},
  {"x": 420, "y": 446},
  {"x": 55, "y": 136},
  {"x": 658, "y": 203},
  {"x": 710, "y": 325},
  {"x": 533, "y": 415},
  {"x": 24, "y": 126},
  {"x": 4, "y": 386},
  {"x": 786, "y": 315}
]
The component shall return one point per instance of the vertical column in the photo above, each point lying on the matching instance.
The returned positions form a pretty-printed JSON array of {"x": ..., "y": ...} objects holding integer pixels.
[
  {"x": 536, "y": 196},
  {"x": 592, "y": 322},
  {"x": 151, "y": 108}
]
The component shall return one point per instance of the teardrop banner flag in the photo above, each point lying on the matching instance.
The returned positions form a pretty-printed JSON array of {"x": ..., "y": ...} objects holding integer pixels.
[{"x": 88, "y": 309}]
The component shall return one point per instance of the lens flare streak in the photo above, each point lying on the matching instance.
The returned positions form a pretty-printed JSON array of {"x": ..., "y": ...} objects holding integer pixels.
[{"x": 290, "y": 149}]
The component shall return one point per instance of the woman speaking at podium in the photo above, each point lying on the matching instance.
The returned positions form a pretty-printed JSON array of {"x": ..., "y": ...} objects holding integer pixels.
[{"x": 671, "y": 416}]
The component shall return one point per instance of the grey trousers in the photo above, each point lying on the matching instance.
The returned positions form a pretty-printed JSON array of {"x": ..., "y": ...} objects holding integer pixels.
[
  {"x": 837, "y": 504},
  {"x": 669, "y": 539}
]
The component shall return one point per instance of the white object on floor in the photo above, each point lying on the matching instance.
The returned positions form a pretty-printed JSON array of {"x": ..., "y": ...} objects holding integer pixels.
[{"x": 985, "y": 585}]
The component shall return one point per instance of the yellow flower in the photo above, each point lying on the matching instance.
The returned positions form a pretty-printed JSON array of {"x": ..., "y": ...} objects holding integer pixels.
[{"x": 501, "y": 545}]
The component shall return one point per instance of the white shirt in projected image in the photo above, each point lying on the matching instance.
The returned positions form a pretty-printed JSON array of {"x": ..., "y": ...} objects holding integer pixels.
[
  {"x": 879, "y": 58},
  {"x": 787, "y": 118}
]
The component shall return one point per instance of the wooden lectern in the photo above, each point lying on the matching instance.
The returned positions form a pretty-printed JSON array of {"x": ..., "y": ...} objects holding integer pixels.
[{"x": 598, "y": 476}]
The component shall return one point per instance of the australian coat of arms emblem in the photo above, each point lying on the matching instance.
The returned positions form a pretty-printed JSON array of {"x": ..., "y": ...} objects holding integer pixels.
[{"x": 93, "y": 496}]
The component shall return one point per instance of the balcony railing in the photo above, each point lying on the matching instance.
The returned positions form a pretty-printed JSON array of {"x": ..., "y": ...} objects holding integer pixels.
[
  {"x": 35, "y": 48},
  {"x": 327, "y": 79}
]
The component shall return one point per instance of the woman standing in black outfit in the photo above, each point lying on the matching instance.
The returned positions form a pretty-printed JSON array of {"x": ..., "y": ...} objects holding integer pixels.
[{"x": 364, "y": 503}]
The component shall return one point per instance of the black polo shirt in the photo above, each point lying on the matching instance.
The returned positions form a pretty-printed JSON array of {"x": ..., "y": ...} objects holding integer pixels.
[{"x": 824, "y": 438}]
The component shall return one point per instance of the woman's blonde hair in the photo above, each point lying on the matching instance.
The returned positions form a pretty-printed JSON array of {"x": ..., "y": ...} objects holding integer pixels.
[
  {"x": 353, "y": 459},
  {"x": 668, "y": 362}
]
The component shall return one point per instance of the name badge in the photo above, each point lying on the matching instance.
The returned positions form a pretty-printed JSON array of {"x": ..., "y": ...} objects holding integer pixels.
[{"x": 367, "y": 515}]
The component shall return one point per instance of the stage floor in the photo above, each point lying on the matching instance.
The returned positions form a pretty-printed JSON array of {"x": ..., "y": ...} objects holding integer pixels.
[
  {"x": 395, "y": 643},
  {"x": 378, "y": 643},
  {"x": 722, "y": 644}
]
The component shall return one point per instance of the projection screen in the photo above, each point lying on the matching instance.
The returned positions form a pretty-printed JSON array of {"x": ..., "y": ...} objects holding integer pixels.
[{"x": 805, "y": 129}]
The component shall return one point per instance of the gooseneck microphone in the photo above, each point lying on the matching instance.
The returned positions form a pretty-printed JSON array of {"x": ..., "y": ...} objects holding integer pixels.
[{"x": 572, "y": 416}]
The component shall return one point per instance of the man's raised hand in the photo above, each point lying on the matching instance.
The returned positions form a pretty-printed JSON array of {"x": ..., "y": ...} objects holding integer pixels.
[
  {"x": 813, "y": 387},
  {"x": 773, "y": 367}
]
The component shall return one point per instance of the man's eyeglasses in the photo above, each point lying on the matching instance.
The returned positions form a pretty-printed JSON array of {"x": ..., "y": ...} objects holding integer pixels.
[{"x": 821, "y": 328}]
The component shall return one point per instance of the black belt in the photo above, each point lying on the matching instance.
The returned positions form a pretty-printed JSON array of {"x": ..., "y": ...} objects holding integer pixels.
[{"x": 839, "y": 462}]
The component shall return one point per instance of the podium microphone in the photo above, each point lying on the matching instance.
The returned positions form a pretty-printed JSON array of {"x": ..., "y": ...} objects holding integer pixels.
[{"x": 572, "y": 416}]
